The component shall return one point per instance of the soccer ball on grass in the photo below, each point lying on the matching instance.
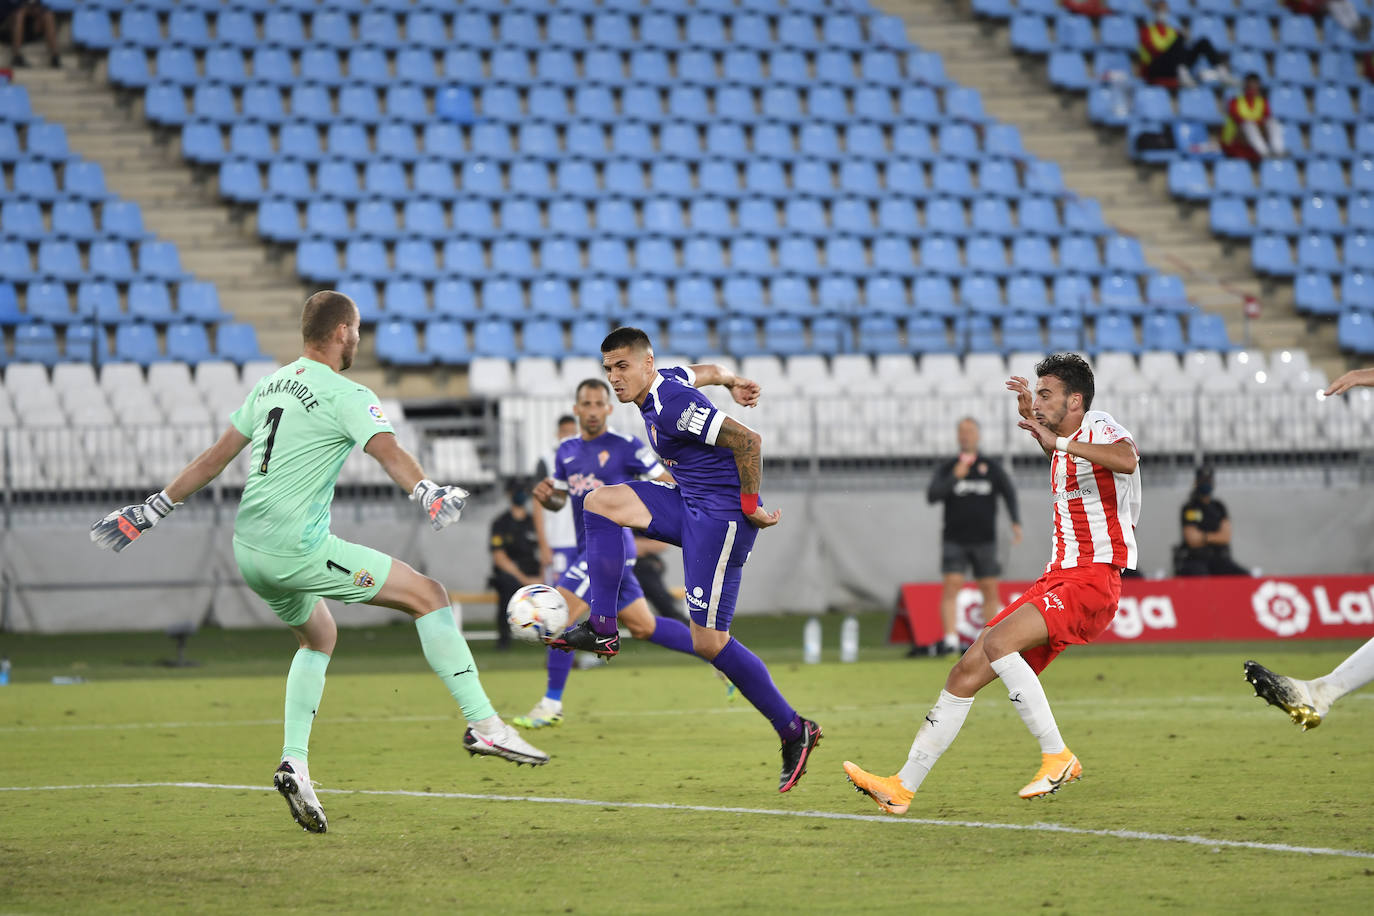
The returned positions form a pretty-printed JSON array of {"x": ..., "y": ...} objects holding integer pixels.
[{"x": 537, "y": 613}]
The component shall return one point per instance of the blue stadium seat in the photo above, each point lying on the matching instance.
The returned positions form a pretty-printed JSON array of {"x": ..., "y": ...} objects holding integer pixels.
[
  {"x": 706, "y": 215},
  {"x": 10, "y": 314},
  {"x": 502, "y": 299},
  {"x": 82, "y": 179},
  {"x": 91, "y": 28},
  {"x": 23, "y": 219},
  {"x": 897, "y": 216},
  {"x": 945, "y": 216},
  {"x": 1079, "y": 253},
  {"x": 1068, "y": 71},
  {"x": 136, "y": 343},
  {"x": 1115, "y": 333},
  {"x": 1355, "y": 331},
  {"x": 887, "y": 295},
  {"x": 567, "y": 217},
  {"x": 939, "y": 255},
  {"x": 1037, "y": 214},
  {"x": 560, "y": 257},
  {"x": 111, "y": 261},
  {"x": 1234, "y": 177},
  {"x": 317, "y": 260},
  {"x": 464, "y": 258},
  {"x": 980, "y": 293},
  {"x": 688, "y": 335},
  {"x": 1030, "y": 35},
  {"x": 398, "y": 344},
  {"x": 122, "y": 219},
  {"x": 1318, "y": 252},
  {"x": 71, "y": 219},
  {"x": 456, "y": 299},
  {"x": 35, "y": 342},
  {"x": 1359, "y": 251},
  {"x": 198, "y": 300},
  {"x": 405, "y": 299},
  {"x": 1163, "y": 331},
  {"x": 1207, "y": 331},
  {"x": 799, "y": 255},
  {"x": 1314, "y": 294},
  {"x": 1027, "y": 294},
  {"x": 986, "y": 254},
  {"x": 98, "y": 300},
  {"x": 1071, "y": 292},
  {"x": 48, "y": 302},
  {"x": 924, "y": 334},
  {"x": 1357, "y": 290},
  {"x": 1188, "y": 179},
  {"x": 1321, "y": 214},
  {"x": 611, "y": 257},
  {"x": 150, "y": 300},
  {"x": 739, "y": 336},
  {"x": 838, "y": 295},
  {"x": 1033, "y": 255},
  {"x": 1123, "y": 253},
  {"x": 1271, "y": 255},
  {"x": 36, "y": 180}
]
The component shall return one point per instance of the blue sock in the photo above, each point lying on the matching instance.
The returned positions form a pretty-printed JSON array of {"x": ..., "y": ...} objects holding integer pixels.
[
  {"x": 672, "y": 634},
  {"x": 605, "y": 566},
  {"x": 748, "y": 673},
  {"x": 559, "y": 664}
]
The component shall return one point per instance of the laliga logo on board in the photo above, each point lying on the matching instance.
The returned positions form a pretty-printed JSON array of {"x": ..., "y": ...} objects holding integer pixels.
[
  {"x": 1283, "y": 609},
  {"x": 1135, "y": 615}
]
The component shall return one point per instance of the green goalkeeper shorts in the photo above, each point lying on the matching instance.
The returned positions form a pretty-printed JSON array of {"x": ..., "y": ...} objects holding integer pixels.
[{"x": 291, "y": 586}]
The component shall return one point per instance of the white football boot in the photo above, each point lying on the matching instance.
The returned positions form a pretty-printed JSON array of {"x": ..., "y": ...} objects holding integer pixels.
[
  {"x": 504, "y": 742},
  {"x": 292, "y": 780}
]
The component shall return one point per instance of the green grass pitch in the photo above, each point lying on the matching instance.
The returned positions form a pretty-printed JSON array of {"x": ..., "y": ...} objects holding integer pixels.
[{"x": 1172, "y": 742}]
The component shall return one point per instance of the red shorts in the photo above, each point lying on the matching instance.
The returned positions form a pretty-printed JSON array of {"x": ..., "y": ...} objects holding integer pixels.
[{"x": 1077, "y": 603}]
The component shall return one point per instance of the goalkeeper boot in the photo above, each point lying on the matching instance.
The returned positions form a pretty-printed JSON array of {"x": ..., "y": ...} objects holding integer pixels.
[
  {"x": 505, "y": 743},
  {"x": 545, "y": 714},
  {"x": 1291, "y": 695},
  {"x": 581, "y": 636},
  {"x": 1055, "y": 770},
  {"x": 887, "y": 792},
  {"x": 796, "y": 752},
  {"x": 292, "y": 780}
]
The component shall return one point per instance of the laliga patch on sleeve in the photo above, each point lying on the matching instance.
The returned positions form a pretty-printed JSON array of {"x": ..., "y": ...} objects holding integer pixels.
[{"x": 378, "y": 415}]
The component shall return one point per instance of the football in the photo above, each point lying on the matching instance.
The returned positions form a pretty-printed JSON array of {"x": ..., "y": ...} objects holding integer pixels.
[{"x": 537, "y": 613}]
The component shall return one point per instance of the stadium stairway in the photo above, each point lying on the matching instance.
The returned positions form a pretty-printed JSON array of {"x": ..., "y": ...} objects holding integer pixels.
[
  {"x": 1015, "y": 90},
  {"x": 255, "y": 284}
]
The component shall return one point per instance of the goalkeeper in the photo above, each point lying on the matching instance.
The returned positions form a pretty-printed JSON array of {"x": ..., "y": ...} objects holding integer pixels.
[{"x": 302, "y": 421}]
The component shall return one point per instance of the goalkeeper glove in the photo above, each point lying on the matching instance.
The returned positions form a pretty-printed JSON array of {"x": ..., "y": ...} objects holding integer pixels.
[
  {"x": 122, "y": 527},
  {"x": 443, "y": 505}
]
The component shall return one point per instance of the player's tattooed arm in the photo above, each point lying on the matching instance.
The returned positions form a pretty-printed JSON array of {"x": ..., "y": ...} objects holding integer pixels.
[
  {"x": 748, "y": 448},
  {"x": 745, "y": 391}
]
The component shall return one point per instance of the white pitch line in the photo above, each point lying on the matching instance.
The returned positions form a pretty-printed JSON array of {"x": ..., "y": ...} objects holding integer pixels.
[
  {"x": 769, "y": 812},
  {"x": 1111, "y": 702}
]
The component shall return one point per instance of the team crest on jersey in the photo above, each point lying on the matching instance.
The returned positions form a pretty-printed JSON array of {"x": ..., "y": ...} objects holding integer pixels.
[
  {"x": 300, "y": 370},
  {"x": 653, "y": 434},
  {"x": 982, "y": 467},
  {"x": 363, "y": 579},
  {"x": 693, "y": 419},
  {"x": 602, "y": 457},
  {"x": 378, "y": 415}
]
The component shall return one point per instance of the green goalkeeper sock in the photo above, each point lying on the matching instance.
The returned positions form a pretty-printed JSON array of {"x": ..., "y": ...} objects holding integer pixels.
[
  {"x": 304, "y": 687},
  {"x": 448, "y": 654}
]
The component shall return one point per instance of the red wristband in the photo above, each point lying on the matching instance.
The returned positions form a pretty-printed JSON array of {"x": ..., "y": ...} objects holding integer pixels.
[{"x": 748, "y": 502}]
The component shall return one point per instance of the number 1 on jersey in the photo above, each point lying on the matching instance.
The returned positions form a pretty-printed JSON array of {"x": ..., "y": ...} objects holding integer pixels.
[{"x": 273, "y": 420}]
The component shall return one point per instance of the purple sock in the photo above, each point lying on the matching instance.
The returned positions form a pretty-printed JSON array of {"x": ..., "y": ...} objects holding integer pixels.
[
  {"x": 672, "y": 634},
  {"x": 559, "y": 664},
  {"x": 748, "y": 673},
  {"x": 605, "y": 566}
]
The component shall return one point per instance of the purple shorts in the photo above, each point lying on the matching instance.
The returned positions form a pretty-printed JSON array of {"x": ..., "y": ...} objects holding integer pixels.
[
  {"x": 714, "y": 551},
  {"x": 576, "y": 580}
]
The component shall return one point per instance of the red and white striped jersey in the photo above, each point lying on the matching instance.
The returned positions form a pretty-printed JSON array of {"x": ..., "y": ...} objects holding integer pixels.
[{"x": 1095, "y": 510}]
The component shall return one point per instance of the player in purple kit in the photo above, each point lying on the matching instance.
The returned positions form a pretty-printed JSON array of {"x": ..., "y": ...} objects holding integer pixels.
[
  {"x": 583, "y": 463},
  {"x": 712, "y": 512}
]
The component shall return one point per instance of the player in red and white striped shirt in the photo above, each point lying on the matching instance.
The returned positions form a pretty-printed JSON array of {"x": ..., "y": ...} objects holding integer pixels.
[{"x": 1095, "y": 481}]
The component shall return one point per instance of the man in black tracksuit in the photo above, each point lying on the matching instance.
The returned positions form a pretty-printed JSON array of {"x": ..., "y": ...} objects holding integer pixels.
[
  {"x": 969, "y": 486},
  {"x": 1206, "y": 533}
]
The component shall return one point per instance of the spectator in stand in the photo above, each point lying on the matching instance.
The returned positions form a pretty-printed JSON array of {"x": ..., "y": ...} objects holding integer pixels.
[
  {"x": 1343, "y": 11},
  {"x": 969, "y": 485},
  {"x": 1206, "y": 547},
  {"x": 1251, "y": 131},
  {"x": 17, "y": 12},
  {"x": 514, "y": 554},
  {"x": 1165, "y": 53}
]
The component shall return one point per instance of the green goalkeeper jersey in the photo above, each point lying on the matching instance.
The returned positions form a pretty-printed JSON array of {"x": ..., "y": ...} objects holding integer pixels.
[{"x": 303, "y": 419}]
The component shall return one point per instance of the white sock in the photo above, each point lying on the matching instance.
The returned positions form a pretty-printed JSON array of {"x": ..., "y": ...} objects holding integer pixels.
[
  {"x": 555, "y": 705},
  {"x": 1350, "y": 675},
  {"x": 1028, "y": 696},
  {"x": 489, "y": 727},
  {"x": 934, "y": 737}
]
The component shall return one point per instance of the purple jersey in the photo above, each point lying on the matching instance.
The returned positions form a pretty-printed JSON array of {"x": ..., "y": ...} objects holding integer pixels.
[
  {"x": 582, "y": 465},
  {"x": 683, "y": 425}
]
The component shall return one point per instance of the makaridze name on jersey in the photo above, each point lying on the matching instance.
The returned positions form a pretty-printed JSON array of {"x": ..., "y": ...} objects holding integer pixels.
[{"x": 292, "y": 387}]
